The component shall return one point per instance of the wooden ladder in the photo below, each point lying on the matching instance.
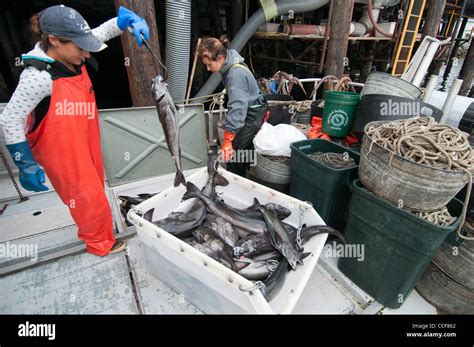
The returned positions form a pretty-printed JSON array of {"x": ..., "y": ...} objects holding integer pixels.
[
  {"x": 407, "y": 37},
  {"x": 456, "y": 6}
]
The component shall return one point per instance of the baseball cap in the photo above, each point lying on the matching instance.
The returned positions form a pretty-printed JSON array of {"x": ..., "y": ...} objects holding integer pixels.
[{"x": 66, "y": 22}]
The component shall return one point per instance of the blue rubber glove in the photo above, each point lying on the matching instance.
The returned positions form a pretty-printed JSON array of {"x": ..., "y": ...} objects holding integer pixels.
[
  {"x": 31, "y": 175},
  {"x": 128, "y": 19}
]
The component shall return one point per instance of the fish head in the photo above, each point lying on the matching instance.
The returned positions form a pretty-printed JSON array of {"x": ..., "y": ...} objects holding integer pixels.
[{"x": 158, "y": 87}]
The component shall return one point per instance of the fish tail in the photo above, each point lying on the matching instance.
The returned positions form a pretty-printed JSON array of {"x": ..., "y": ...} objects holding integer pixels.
[
  {"x": 293, "y": 261},
  {"x": 179, "y": 179},
  {"x": 212, "y": 165},
  {"x": 191, "y": 192}
]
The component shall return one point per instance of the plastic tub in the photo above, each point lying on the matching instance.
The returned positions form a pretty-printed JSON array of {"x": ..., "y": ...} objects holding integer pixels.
[
  {"x": 326, "y": 188},
  {"x": 398, "y": 246},
  {"x": 204, "y": 282}
]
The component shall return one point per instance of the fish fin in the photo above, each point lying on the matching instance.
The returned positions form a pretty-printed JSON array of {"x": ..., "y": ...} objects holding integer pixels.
[
  {"x": 179, "y": 178},
  {"x": 220, "y": 180},
  {"x": 256, "y": 203},
  {"x": 148, "y": 215},
  {"x": 304, "y": 255},
  {"x": 252, "y": 207},
  {"x": 191, "y": 192}
]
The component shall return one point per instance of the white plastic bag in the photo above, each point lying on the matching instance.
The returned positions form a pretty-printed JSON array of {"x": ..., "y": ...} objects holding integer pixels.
[{"x": 276, "y": 140}]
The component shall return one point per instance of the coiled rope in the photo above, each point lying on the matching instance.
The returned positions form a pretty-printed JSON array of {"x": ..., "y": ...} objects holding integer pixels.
[
  {"x": 424, "y": 141},
  {"x": 334, "y": 160},
  {"x": 441, "y": 217}
]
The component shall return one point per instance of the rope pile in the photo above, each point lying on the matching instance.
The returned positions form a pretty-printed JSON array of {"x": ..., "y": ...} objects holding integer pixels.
[
  {"x": 298, "y": 106},
  {"x": 334, "y": 160},
  {"x": 440, "y": 217},
  {"x": 424, "y": 141},
  {"x": 302, "y": 106}
]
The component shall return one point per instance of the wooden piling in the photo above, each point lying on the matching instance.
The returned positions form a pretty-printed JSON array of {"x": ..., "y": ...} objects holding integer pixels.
[
  {"x": 467, "y": 70},
  {"x": 434, "y": 15},
  {"x": 139, "y": 62},
  {"x": 339, "y": 37}
]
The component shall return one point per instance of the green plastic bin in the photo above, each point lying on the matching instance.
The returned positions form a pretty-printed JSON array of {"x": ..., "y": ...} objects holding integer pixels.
[
  {"x": 326, "y": 188},
  {"x": 398, "y": 246}
]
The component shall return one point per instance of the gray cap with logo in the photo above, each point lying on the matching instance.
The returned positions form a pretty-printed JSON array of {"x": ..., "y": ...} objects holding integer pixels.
[{"x": 65, "y": 22}]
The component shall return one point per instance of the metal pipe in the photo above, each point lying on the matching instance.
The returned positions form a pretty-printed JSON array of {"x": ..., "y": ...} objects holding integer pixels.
[
  {"x": 425, "y": 63},
  {"x": 430, "y": 87},
  {"x": 304, "y": 29},
  {"x": 448, "y": 104},
  {"x": 249, "y": 28},
  {"x": 364, "y": 25},
  {"x": 374, "y": 21},
  {"x": 178, "y": 41},
  {"x": 326, "y": 36}
]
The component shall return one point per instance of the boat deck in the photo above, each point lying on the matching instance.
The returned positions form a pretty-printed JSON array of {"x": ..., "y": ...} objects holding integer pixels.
[{"x": 67, "y": 280}]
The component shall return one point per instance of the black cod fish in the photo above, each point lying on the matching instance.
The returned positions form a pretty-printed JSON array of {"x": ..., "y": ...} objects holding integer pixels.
[
  {"x": 215, "y": 242},
  {"x": 279, "y": 237},
  {"x": 226, "y": 212},
  {"x": 168, "y": 115},
  {"x": 181, "y": 224}
]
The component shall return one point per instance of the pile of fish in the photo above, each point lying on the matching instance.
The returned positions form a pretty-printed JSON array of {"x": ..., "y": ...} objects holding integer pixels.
[
  {"x": 254, "y": 242},
  {"x": 129, "y": 202}
]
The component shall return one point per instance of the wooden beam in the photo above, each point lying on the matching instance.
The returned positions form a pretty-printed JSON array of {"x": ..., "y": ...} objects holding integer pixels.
[
  {"x": 434, "y": 15},
  {"x": 274, "y": 59},
  {"x": 339, "y": 37},
  {"x": 139, "y": 62},
  {"x": 467, "y": 70}
]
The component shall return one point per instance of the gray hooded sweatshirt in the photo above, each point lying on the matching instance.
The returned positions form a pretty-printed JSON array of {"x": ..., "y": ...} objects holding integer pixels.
[{"x": 242, "y": 90}]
